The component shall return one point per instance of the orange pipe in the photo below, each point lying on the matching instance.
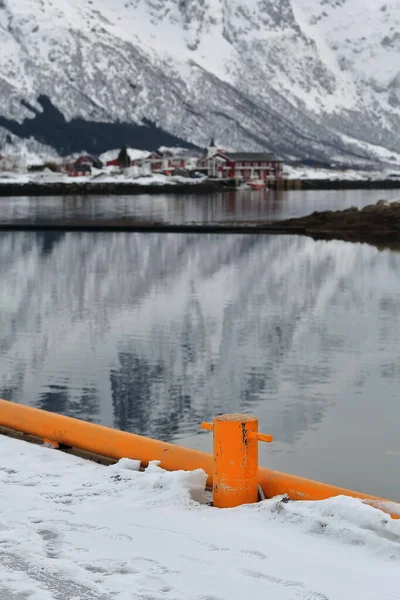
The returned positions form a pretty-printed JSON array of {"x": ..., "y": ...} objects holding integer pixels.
[
  {"x": 99, "y": 439},
  {"x": 119, "y": 444},
  {"x": 275, "y": 483}
]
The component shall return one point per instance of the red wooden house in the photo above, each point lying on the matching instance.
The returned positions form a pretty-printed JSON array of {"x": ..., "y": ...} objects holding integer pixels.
[
  {"x": 89, "y": 159},
  {"x": 140, "y": 161},
  {"x": 112, "y": 163},
  {"x": 242, "y": 165},
  {"x": 80, "y": 170},
  {"x": 166, "y": 162},
  {"x": 176, "y": 162},
  {"x": 156, "y": 161}
]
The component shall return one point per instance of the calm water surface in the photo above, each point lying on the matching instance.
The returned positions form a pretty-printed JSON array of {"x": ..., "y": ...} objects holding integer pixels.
[
  {"x": 155, "y": 333},
  {"x": 229, "y": 206}
]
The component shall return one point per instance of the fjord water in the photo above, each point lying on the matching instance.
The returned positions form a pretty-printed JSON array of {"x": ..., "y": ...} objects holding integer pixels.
[
  {"x": 227, "y": 206},
  {"x": 155, "y": 333}
]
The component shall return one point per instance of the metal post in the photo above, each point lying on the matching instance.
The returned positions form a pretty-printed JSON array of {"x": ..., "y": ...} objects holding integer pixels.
[{"x": 235, "y": 468}]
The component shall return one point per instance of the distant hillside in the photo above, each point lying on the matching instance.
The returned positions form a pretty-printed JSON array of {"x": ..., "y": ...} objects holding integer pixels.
[{"x": 315, "y": 79}]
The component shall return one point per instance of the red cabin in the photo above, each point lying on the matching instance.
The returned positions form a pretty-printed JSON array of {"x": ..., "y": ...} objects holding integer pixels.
[
  {"x": 242, "y": 165},
  {"x": 82, "y": 170},
  {"x": 89, "y": 159}
]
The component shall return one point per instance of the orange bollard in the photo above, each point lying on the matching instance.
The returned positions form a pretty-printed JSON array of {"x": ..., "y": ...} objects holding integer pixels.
[
  {"x": 114, "y": 444},
  {"x": 235, "y": 466}
]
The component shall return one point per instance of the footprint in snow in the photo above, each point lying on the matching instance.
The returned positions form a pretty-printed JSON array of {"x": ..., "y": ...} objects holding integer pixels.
[
  {"x": 310, "y": 596},
  {"x": 256, "y": 553},
  {"x": 272, "y": 579},
  {"x": 51, "y": 541}
]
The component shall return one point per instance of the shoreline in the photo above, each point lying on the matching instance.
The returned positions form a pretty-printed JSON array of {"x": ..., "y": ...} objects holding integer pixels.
[
  {"x": 377, "y": 224},
  {"x": 127, "y": 225},
  {"x": 118, "y": 188},
  {"x": 342, "y": 184}
]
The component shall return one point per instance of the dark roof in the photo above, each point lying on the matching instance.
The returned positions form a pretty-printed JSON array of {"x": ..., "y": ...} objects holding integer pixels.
[
  {"x": 95, "y": 161},
  {"x": 250, "y": 156},
  {"x": 83, "y": 167},
  {"x": 89, "y": 159}
]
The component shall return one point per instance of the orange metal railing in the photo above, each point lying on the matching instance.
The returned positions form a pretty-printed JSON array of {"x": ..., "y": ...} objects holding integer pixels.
[{"x": 232, "y": 469}]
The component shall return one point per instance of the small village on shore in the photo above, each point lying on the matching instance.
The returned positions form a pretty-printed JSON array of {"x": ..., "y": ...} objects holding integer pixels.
[
  {"x": 249, "y": 168},
  {"x": 131, "y": 170}
]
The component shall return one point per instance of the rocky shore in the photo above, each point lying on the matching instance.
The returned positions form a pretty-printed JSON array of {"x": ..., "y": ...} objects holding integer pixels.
[
  {"x": 377, "y": 224},
  {"x": 63, "y": 188},
  {"x": 130, "y": 188},
  {"x": 342, "y": 184}
]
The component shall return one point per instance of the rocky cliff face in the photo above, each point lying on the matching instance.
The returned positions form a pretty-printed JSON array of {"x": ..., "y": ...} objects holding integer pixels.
[{"x": 305, "y": 78}]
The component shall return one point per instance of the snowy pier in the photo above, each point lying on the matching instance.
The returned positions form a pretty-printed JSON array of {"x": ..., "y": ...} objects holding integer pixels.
[{"x": 71, "y": 529}]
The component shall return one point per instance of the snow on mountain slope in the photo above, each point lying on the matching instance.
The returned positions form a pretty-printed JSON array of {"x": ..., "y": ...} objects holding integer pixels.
[
  {"x": 305, "y": 78},
  {"x": 23, "y": 153}
]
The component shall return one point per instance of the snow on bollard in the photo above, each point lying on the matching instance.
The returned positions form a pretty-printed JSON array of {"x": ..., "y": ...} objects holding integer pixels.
[{"x": 235, "y": 466}]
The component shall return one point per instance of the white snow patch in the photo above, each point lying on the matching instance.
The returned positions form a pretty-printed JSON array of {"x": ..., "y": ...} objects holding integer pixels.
[
  {"x": 75, "y": 529},
  {"x": 176, "y": 151},
  {"x": 131, "y": 175},
  {"x": 290, "y": 172},
  {"x": 126, "y": 463},
  {"x": 22, "y": 153},
  {"x": 133, "y": 154}
]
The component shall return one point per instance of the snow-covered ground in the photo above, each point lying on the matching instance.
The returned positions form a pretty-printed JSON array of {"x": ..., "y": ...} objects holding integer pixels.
[
  {"x": 24, "y": 153},
  {"x": 132, "y": 175},
  {"x": 111, "y": 176},
  {"x": 133, "y": 154},
  {"x": 74, "y": 530},
  {"x": 17, "y": 157},
  {"x": 20, "y": 154},
  {"x": 290, "y": 172}
]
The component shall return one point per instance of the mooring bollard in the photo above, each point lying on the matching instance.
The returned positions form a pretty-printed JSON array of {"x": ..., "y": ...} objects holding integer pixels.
[{"x": 235, "y": 466}]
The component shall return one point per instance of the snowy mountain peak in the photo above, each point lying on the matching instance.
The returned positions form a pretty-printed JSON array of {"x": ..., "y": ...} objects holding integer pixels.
[{"x": 304, "y": 78}]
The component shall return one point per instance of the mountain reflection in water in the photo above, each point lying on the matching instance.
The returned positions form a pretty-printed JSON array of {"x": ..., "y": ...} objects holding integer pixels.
[{"x": 155, "y": 333}]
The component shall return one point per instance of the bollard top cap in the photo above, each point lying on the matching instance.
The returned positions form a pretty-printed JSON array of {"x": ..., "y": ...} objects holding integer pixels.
[{"x": 236, "y": 418}]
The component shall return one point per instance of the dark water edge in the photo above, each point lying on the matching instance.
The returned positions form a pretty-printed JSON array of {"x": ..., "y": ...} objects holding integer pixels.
[
  {"x": 381, "y": 237},
  {"x": 324, "y": 184},
  {"x": 376, "y": 224},
  {"x": 62, "y": 189},
  {"x": 125, "y": 225},
  {"x": 211, "y": 185}
]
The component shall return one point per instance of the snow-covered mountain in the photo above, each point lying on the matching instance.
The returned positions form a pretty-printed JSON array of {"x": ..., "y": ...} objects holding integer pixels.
[{"x": 305, "y": 78}]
